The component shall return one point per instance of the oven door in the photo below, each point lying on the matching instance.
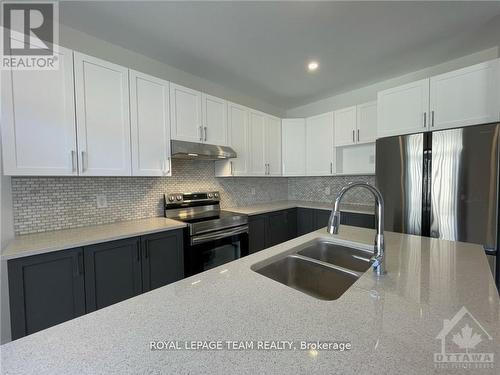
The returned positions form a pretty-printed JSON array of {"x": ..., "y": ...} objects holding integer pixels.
[{"x": 209, "y": 250}]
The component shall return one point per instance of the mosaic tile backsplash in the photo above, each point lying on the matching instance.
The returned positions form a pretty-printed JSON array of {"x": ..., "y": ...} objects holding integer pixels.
[{"x": 50, "y": 203}]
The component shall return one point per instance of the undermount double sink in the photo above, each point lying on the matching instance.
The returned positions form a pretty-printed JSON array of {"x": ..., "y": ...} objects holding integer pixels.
[{"x": 320, "y": 268}]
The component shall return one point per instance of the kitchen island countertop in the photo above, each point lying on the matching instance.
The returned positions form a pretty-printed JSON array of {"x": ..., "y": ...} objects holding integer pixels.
[{"x": 392, "y": 322}]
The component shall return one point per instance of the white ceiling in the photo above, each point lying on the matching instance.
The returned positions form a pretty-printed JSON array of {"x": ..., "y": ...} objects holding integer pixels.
[{"x": 261, "y": 48}]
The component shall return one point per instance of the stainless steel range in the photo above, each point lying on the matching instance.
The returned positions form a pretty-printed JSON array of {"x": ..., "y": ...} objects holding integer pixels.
[{"x": 213, "y": 236}]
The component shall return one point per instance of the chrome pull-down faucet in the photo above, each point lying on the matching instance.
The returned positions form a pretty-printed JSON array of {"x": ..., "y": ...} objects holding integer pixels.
[{"x": 378, "y": 258}]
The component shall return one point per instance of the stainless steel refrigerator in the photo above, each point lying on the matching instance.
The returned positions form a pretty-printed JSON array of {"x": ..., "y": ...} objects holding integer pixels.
[{"x": 443, "y": 184}]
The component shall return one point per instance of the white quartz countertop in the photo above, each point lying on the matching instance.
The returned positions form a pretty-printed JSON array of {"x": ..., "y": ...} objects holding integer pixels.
[
  {"x": 39, "y": 243},
  {"x": 391, "y": 322},
  {"x": 262, "y": 208}
]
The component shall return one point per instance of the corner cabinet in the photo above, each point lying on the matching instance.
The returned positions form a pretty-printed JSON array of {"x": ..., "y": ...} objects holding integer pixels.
[
  {"x": 150, "y": 125},
  {"x": 38, "y": 120},
  {"x": 319, "y": 145},
  {"x": 45, "y": 290},
  {"x": 103, "y": 118}
]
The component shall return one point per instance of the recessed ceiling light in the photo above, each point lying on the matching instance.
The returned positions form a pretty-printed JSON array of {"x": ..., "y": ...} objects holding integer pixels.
[{"x": 312, "y": 66}]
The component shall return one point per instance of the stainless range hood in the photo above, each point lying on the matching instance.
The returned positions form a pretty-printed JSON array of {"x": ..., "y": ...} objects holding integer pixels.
[{"x": 193, "y": 150}]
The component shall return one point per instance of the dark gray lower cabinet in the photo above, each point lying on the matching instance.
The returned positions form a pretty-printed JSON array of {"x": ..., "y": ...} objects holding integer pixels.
[
  {"x": 162, "y": 259},
  {"x": 305, "y": 221},
  {"x": 51, "y": 288},
  {"x": 358, "y": 219},
  {"x": 321, "y": 218},
  {"x": 112, "y": 272},
  {"x": 270, "y": 229},
  {"x": 257, "y": 231},
  {"x": 45, "y": 290}
]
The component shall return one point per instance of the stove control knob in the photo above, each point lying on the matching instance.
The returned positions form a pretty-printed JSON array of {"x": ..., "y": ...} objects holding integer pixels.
[
  {"x": 216, "y": 195},
  {"x": 179, "y": 197},
  {"x": 210, "y": 195},
  {"x": 171, "y": 198}
]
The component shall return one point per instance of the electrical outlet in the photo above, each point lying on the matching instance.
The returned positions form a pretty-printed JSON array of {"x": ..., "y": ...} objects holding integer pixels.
[
  {"x": 328, "y": 191},
  {"x": 102, "y": 201},
  {"x": 253, "y": 191}
]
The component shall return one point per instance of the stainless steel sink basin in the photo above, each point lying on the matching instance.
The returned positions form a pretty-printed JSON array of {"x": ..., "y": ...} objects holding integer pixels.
[
  {"x": 346, "y": 257},
  {"x": 317, "y": 279}
]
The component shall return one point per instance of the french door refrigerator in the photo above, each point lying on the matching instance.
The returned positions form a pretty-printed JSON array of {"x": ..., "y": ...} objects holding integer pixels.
[{"x": 443, "y": 184}]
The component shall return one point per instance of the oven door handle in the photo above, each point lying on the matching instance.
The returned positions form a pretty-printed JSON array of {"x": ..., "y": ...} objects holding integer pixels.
[{"x": 196, "y": 240}]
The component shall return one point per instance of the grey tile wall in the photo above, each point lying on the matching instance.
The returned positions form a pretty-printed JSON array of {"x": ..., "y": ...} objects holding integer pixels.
[
  {"x": 315, "y": 189},
  {"x": 51, "y": 203}
]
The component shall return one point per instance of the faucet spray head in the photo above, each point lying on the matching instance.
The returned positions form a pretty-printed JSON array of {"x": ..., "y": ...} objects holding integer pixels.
[{"x": 334, "y": 222}]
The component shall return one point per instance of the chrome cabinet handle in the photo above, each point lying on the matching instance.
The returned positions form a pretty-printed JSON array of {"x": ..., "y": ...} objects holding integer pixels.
[
  {"x": 331, "y": 167},
  {"x": 84, "y": 164},
  {"x": 205, "y": 128},
  {"x": 432, "y": 118},
  {"x": 425, "y": 119},
  {"x": 200, "y": 131},
  {"x": 169, "y": 164},
  {"x": 231, "y": 168},
  {"x": 73, "y": 159},
  {"x": 353, "y": 136},
  {"x": 358, "y": 135}
]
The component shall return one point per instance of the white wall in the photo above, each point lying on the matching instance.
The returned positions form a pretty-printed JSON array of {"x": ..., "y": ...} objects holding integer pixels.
[
  {"x": 369, "y": 93},
  {"x": 6, "y": 234},
  {"x": 88, "y": 44}
]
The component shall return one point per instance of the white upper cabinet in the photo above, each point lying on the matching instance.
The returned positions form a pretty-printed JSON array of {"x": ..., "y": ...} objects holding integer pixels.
[
  {"x": 294, "y": 146},
  {"x": 273, "y": 146},
  {"x": 102, "y": 113},
  {"x": 319, "y": 145},
  {"x": 345, "y": 126},
  {"x": 403, "y": 109},
  {"x": 238, "y": 139},
  {"x": 185, "y": 111},
  {"x": 214, "y": 112},
  {"x": 38, "y": 120},
  {"x": 465, "y": 97},
  {"x": 257, "y": 143},
  {"x": 366, "y": 131},
  {"x": 150, "y": 125}
]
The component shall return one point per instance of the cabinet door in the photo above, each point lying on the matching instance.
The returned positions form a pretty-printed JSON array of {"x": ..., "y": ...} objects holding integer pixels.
[
  {"x": 403, "y": 109},
  {"x": 238, "y": 138},
  {"x": 273, "y": 146},
  {"x": 45, "y": 290},
  {"x": 366, "y": 131},
  {"x": 294, "y": 147},
  {"x": 292, "y": 223},
  {"x": 321, "y": 218},
  {"x": 257, "y": 232},
  {"x": 214, "y": 112},
  {"x": 465, "y": 97},
  {"x": 345, "y": 126},
  {"x": 257, "y": 139},
  {"x": 38, "y": 120},
  {"x": 150, "y": 124},
  {"x": 103, "y": 117},
  {"x": 277, "y": 228},
  {"x": 357, "y": 220},
  {"x": 185, "y": 112},
  {"x": 305, "y": 221},
  {"x": 112, "y": 272},
  {"x": 162, "y": 259},
  {"x": 319, "y": 145}
]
